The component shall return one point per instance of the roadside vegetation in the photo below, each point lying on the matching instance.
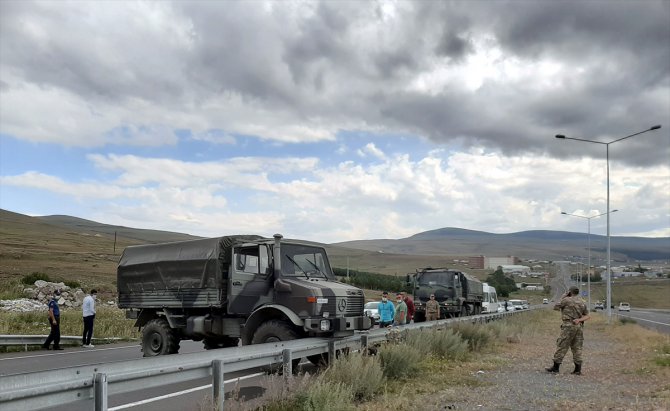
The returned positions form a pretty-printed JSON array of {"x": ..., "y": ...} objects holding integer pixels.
[
  {"x": 110, "y": 322},
  {"x": 428, "y": 361},
  {"x": 441, "y": 368}
]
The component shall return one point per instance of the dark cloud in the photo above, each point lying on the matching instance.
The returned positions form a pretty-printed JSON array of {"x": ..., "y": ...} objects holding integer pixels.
[{"x": 347, "y": 63}]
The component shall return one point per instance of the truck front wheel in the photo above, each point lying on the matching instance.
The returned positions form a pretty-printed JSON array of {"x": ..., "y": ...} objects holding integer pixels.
[
  {"x": 273, "y": 331},
  {"x": 159, "y": 339},
  {"x": 276, "y": 331}
]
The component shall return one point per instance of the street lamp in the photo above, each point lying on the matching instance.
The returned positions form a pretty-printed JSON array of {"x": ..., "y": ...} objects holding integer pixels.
[
  {"x": 588, "y": 274},
  {"x": 607, "y": 145}
]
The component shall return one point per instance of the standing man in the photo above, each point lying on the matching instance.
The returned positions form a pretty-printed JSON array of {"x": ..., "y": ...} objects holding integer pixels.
[
  {"x": 410, "y": 306},
  {"x": 432, "y": 309},
  {"x": 573, "y": 314},
  {"x": 400, "y": 317},
  {"x": 54, "y": 322},
  {"x": 506, "y": 306},
  {"x": 88, "y": 310},
  {"x": 386, "y": 311}
]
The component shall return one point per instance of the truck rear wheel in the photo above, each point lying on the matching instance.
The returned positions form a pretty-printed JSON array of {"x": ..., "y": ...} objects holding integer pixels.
[{"x": 159, "y": 339}]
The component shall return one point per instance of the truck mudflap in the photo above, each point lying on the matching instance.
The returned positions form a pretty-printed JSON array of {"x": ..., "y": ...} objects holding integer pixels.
[{"x": 322, "y": 325}]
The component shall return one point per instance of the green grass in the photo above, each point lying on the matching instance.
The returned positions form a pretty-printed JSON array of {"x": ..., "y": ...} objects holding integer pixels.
[{"x": 109, "y": 322}]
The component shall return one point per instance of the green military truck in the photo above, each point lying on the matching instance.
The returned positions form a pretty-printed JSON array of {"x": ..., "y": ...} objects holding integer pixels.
[
  {"x": 458, "y": 294},
  {"x": 223, "y": 290}
]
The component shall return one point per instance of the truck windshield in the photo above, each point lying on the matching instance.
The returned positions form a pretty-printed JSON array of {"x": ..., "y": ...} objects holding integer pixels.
[
  {"x": 304, "y": 261},
  {"x": 443, "y": 278}
]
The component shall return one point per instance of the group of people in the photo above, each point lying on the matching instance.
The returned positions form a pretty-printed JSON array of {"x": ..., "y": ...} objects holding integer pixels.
[
  {"x": 88, "y": 314},
  {"x": 402, "y": 312}
]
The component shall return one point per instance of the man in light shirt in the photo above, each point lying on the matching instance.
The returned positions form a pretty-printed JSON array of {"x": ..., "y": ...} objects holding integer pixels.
[{"x": 88, "y": 308}]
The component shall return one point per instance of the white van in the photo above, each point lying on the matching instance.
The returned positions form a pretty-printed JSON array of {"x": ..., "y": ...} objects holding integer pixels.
[{"x": 490, "y": 304}]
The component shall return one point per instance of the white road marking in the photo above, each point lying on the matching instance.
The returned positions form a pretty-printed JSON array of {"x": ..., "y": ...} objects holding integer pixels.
[
  {"x": 175, "y": 394},
  {"x": 70, "y": 352},
  {"x": 643, "y": 319}
]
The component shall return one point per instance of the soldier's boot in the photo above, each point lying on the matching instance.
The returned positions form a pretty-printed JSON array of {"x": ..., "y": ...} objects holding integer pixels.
[
  {"x": 554, "y": 369},
  {"x": 578, "y": 369}
]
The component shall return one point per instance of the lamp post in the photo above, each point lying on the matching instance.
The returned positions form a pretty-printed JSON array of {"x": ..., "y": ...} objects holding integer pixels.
[
  {"x": 588, "y": 273},
  {"x": 607, "y": 146}
]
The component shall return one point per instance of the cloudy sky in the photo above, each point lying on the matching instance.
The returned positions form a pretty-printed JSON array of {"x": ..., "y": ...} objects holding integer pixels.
[{"x": 335, "y": 121}]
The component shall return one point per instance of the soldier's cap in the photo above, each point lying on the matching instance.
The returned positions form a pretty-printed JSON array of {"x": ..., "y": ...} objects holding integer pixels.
[{"x": 574, "y": 288}]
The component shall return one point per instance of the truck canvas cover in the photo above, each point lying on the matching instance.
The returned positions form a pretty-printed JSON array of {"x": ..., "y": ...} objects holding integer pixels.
[{"x": 175, "y": 268}]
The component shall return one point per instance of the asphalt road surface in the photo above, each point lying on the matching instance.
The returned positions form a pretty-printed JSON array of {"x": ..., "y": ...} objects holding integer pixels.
[
  {"x": 658, "y": 320},
  {"x": 183, "y": 396}
]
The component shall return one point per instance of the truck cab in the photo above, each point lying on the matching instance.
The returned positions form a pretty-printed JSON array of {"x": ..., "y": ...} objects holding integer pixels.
[{"x": 457, "y": 293}]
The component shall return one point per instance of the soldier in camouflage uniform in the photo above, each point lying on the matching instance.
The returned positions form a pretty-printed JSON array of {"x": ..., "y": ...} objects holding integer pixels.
[
  {"x": 573, "y": 313},
  {"x": 432, "y": 309}
]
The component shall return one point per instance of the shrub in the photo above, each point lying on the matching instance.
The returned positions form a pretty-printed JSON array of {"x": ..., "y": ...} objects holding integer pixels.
[
  {"x": 34, "y": 276},
  {"x": 440, "y": 343},
  {"x": 399, "y": 360},
  {"x": 72, "y": 284},
  {"x": 476, "y": 336},
  {"x": 362, "y": 374},
  {"x": 626, "y": 320},
  {"x": 326, "y": 396}
]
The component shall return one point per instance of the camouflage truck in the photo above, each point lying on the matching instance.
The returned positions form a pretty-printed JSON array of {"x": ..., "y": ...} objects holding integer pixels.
[
  {"x": 459, "y": 294},
  {"x": 223, "y": 290}
]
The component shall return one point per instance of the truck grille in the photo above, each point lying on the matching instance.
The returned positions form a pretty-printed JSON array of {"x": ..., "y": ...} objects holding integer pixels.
[{"x": 354, "y": 306}]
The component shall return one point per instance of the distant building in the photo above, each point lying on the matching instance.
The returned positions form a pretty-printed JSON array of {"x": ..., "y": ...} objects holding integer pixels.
[
  {"x": 476, "y": 262},
  {"x": 516, "y": 269},
  {"x": 495, "y": 262}
]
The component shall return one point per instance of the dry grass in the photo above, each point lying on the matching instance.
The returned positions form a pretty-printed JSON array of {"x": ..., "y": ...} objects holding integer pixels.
[
  {"x": 109, "y": 322},
  {"x": 640, "y": 293}
]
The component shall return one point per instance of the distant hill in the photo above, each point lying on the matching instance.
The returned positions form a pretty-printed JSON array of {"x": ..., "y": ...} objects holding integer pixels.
[
  {"x": 92, "y": 227},
  {"x": 535, "y": 244}
]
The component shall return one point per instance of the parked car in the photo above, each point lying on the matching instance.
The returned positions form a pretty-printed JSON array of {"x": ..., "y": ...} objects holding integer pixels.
[
  {"x": 371, "y": 310},
  {"x": 599, "y": 305},
  {"x": 545, "y": 301},
  {"x": 624, "y": 307},
  {"x": 525, "y": 304}
]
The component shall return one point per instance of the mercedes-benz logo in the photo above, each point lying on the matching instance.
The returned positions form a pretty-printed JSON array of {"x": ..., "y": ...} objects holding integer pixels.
[{"x": 342, "y": 305}]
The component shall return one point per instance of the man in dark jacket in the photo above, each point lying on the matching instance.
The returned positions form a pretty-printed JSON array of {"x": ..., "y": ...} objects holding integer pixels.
[{"x": 54, "y": 321}]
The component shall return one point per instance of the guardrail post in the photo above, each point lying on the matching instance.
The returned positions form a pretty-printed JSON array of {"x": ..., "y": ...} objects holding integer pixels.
[
  {"x": 218, "y": 392},
  {"x": 100, "y": 384},
  {"x": 331, "y": 352},
  {"x": 287, "y": 362},
  {"x": 364, "y": 343}
]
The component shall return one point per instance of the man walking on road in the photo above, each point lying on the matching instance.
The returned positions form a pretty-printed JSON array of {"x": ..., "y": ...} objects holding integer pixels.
[
  {"x": 54, "y": 322},
  {"x": 88, "y": 311},
  {"x": 573, "y": 314}
]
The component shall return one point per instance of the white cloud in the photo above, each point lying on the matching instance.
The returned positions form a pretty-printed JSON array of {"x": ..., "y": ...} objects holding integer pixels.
[{"x": 395, "y": 198}]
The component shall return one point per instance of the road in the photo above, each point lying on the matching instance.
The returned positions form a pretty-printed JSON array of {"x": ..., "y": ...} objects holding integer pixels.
[
  {"x": 658, "y": 320},
  {"x": 184, "y": 396}
]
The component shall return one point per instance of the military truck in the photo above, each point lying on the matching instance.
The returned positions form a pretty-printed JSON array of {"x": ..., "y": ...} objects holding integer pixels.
[
  {"x": 223, "y": 290},
  {"x": 459, "y": 294}
]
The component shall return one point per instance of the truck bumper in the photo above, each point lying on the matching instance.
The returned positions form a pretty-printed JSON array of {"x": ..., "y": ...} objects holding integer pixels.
[{"x": 323, "y": 325}]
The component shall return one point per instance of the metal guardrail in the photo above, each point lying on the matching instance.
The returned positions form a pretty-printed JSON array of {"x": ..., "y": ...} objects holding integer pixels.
[
  {"x": 26, "y": 340},
  {"x": 36, "y": 390}
]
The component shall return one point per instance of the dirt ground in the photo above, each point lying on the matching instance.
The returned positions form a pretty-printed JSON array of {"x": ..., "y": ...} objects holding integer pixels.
[{"x": 619, "y": 373}]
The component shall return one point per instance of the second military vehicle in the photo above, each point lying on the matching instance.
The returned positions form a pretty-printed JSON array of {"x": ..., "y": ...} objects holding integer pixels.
[
  {"x": 459, "y": 294},
  {"x": 221, "y": 290}
]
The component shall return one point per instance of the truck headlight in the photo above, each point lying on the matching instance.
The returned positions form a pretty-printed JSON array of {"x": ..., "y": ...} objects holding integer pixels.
[{"x": 325, "y": 325}]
